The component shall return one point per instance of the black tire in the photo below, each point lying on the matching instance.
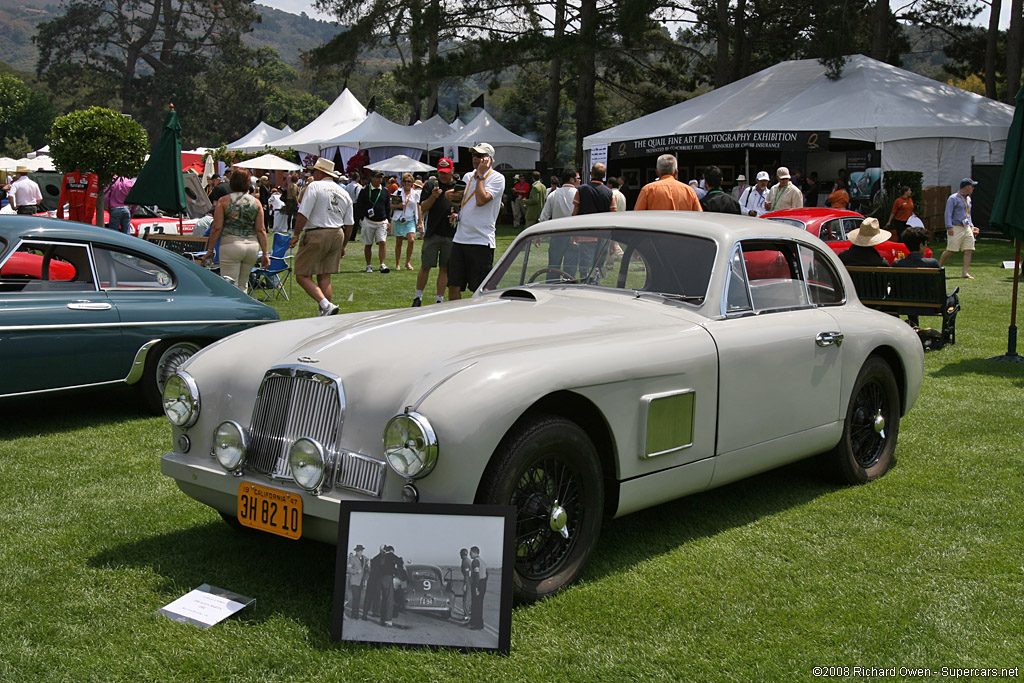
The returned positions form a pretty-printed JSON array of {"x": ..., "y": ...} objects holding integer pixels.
[
  {"x": 872, "y": 425},
  {"x": 541, "y": 461},
  {"x": 162, "y": 362}
]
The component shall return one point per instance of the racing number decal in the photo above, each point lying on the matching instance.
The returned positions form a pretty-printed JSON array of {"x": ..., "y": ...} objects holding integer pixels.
[{"x": 427, "y": 584}]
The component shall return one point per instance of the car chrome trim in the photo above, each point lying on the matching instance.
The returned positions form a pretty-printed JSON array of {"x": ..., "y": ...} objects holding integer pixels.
[
  {"x": 75, "y": 386},
  {"x": 360, "y": 473},
  {"x": 139, "y": 364},
  {"x": 667, "y": 422},
  {"x": 829, "y": 338},
  {"x": 90, "y": 306},
  {"x": 191, "y": 323},
  {"x": 416, "y": 405}
]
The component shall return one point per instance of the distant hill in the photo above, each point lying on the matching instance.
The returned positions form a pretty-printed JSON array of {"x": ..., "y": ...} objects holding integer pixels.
[{"x": 289, "y": 34}]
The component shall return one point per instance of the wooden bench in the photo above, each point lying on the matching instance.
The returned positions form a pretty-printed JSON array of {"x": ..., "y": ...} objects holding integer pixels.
[
  {"x": 179, "y": 244},
  {"x": 908, "y": 291}
]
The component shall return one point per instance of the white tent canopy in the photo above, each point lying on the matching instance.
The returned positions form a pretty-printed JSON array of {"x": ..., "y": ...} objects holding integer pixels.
[
  {"x": 375, "y": 133},
  {"x": 269, "y": 162},
  {"x": 433, "y": 129},
  {"x": 399, "y": 164},
  {"x": 42, "y": 163},
  {"x": 917, "y": 123},
  {"x": 510, "y": 149},
  {"x": 344, "y": 114},
  {"x": 257, "y": 139}
]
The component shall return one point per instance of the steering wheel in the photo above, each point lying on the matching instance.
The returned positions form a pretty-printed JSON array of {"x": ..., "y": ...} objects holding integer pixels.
[{"x": 563, "y": 276}]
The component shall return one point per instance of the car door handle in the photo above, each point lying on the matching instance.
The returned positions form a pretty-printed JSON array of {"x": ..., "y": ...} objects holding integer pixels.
[
  {"x": 829, "y": 338},
  {"x": 89, "y": 306}
]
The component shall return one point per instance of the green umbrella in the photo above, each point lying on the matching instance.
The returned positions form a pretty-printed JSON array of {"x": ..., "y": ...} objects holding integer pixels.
[
  {"x": 160, "y": 182},
  {"x": 1008, "y": 211}
]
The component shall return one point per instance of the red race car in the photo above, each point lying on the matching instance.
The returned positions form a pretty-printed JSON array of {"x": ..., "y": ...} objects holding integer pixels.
[{"x": 833, "y": 225}]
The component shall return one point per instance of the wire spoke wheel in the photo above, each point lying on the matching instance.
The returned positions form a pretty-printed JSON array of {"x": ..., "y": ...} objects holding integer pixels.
[{"x": 547, "y": 484}]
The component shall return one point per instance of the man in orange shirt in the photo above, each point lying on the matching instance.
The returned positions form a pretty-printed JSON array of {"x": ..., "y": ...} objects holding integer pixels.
[
  {"x": 902, "y": 210},
  {"x": 667, "y": 193},
  {"x": 840, "y": 198}
]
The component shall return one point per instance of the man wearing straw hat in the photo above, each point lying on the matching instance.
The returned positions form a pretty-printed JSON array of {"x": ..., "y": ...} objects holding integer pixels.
[
  {"x": 25, "y": 195},
  {"x": 862, "y": 251},
  {"x": 325, "y": 224}
]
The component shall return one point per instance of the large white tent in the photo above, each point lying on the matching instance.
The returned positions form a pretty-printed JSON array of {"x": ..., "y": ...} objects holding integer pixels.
[
  {"x": 917, "y": 123},
  {"x": 259, "y": 138},
  {"x": 344, "y": 114},
  {"x": 269, "y": 162},
  {"x": 433, "y": 129},
  {"x": 383, "y": 138},
  {"x": 510, "y": 150}
]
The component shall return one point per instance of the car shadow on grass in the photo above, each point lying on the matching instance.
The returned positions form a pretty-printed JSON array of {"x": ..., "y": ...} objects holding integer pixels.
[
  {"x": 69, "y": 410},
  {"x": 294, "y": 579},
  {"x": 645, "y": 534}
]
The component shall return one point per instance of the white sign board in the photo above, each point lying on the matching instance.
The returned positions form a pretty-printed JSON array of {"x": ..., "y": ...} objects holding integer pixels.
[
  {"x": 599, "y": 155},
  {"x": 205, "y": 606}
]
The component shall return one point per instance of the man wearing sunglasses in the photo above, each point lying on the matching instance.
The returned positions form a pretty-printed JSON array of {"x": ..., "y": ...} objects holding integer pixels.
[{"x": 473, "y": 247}]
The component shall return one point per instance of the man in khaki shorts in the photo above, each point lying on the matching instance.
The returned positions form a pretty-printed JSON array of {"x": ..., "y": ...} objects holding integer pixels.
[
  {"x": 960, "y": 230},
  {"x": 325, "y": 225}
]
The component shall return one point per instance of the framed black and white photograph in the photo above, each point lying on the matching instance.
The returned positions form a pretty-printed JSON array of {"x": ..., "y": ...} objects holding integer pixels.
[
  {"x": 424, "y": 575},
  {"x": 633, "y": 179}
]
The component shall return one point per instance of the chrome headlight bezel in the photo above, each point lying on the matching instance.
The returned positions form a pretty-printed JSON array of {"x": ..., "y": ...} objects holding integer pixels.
[
  {"x": 414, "y": 455},
  {"x": 242, "y": 437},
  {"x": 181, "y": 387},
  {"x": 318, "y": 457}
]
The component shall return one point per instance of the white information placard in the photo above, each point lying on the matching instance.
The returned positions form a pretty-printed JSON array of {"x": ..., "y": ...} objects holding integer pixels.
[
  {"x": 599, "y": 154},
  {"x": 205, "y": 606}
]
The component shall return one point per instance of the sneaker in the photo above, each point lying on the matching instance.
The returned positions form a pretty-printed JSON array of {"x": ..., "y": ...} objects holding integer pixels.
[
  {"x": 330, "y": 310},
  {"x": 417, "y": 302},
  {"x": 369, "y": 269},
  {"x": 383, "y": 269}
]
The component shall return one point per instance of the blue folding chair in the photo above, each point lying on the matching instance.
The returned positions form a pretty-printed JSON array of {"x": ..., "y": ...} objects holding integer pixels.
[{"x": 270, "y": 281}]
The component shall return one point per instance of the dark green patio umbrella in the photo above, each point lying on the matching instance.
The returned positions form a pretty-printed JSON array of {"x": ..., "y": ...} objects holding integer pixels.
[
  {"x": 160, "y": 182},
  {"x": 1008, "y": 212}
]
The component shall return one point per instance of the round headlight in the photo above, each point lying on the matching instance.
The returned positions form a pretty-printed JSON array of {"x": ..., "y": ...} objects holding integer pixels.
[
  {"x": 410, "y": 445},
  {"x": 306, "y": 458},
  {"x": 229, "y": 445},
  {"x": 181, "y": 400}
]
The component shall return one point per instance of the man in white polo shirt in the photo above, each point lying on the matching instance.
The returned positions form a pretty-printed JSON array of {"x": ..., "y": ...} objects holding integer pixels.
[{"x": 472, "y": 253}]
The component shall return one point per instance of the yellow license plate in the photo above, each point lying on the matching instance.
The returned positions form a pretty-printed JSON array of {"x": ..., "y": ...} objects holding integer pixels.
[{"x": 270, "y": 510}]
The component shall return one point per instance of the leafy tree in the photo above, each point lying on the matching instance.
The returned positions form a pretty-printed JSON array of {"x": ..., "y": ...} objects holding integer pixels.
[
  {"x": 24, "y": 111},
  {"x": 108, "y": 48},
  {"x": 17, "y": 148},
  {"x": 101, "y": 141}
]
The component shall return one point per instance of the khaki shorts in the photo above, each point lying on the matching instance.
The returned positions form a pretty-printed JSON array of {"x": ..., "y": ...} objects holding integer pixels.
[
  {"x": 371, "y": 232},
  {"x": 962, "y": 238},
  {"x": 319, "y": 252},
  {"x": 435, "y": 252}
]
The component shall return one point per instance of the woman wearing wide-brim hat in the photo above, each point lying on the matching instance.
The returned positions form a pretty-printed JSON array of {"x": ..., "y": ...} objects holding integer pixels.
[{"x": 863, "y": 240}]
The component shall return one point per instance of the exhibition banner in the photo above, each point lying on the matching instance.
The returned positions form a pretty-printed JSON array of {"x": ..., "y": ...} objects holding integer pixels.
[{"x": 772, "y": 140}]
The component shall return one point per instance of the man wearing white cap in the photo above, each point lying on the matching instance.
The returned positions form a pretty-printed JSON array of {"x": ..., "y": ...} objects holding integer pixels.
[
  {"x": 784, "y": 194},
  {"x": 473, "y": 247},
  {"x": 25, "y": 195},
  {"x": 741, "y": 185},
  {"x": 753, "y": 198},
  {"x": 326, "y": 216}
]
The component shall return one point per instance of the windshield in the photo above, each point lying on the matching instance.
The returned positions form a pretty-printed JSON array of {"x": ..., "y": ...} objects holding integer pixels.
[{"x": 642, "y": 260}]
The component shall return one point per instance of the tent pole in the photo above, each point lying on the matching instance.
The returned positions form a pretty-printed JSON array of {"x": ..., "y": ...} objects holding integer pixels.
[{"x": 746, "y": 164}]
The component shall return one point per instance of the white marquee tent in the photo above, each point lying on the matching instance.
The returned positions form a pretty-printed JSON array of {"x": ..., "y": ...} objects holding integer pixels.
[
  {"x": 510, "y": 150},
  {"x": 344, "y": 114},
  {"x": 383, "y": 138},
  {"x": 259, "y": 138},
  {"x": 917, "y": 123},
  {"x": 433, "y": 129},
  {"x": 269, "y": 162}
]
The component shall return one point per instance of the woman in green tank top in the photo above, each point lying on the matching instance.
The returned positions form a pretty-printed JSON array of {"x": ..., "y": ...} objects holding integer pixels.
[{"x": 238, "y": 224}]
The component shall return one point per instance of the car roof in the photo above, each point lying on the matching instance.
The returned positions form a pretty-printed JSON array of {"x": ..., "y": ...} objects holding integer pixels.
[
  {"x": 36, "y": 227},
  {"x": 813, "y": 212},
  {"x": 720, "y": 227}
]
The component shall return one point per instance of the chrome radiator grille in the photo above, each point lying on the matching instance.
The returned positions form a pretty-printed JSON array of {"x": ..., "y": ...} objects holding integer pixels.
[{"x": 294, "y": 402}]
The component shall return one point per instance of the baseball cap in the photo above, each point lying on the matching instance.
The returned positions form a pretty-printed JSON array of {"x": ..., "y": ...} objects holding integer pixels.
[
  {"x": 445, "y": 164},
  {"x": 968, "y": 181},
  {"x": 763, "y": 175},
  {"x": 482, "y": 148}
]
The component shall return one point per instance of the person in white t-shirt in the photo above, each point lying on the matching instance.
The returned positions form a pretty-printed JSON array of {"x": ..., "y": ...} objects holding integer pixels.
[{"x": 472, "y": 253}]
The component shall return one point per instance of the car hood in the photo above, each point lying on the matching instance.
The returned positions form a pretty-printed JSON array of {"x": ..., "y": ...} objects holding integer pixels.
[{"x": 409, "y": 350}]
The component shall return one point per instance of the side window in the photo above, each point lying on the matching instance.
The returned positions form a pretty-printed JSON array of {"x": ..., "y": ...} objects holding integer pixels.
[
  {"x": 774, "y": 275},
  {"x": 124, "y": 270},
  {"x": 47, "y": 267},
  {"x": 850, "y": 224},
  {"x": 831, "y": 231},
  {"x": 824, "y": 286},
  {"x": 737, "y": 299}
]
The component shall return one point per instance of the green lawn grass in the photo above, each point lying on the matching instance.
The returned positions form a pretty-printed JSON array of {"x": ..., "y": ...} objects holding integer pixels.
[{"x": 764, "y": 579}]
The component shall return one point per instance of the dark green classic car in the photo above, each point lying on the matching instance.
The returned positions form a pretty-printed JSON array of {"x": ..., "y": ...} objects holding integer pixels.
[{"x": 83, "y": 306}]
